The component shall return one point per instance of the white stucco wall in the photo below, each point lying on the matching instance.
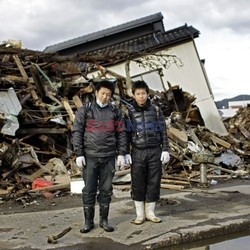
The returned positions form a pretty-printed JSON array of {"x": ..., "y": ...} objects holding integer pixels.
[{"x": 191, "y": 78}]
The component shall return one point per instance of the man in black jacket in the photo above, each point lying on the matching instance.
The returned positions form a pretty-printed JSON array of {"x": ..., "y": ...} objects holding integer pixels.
[
  {"x": 147, "y": 134},
  {"x": 98, "y": 134}
]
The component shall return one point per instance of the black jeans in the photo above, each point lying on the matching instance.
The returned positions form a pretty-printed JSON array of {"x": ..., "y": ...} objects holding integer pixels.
[
  {"x": 146, "y": 172},
  {"x": 97, "y": 176}
]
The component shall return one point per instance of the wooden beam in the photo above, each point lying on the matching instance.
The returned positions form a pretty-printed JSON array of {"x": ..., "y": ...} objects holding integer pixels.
[
  {"x": 77, "y": 101},
  {"x": 110, "y": 72},
  {"x": 42, "y": 131},
  {"x": 122, "y": 187},
  {"x": 122, "y": 172},
  {"x": 195, "y": 138},
  {"x": 20, "y": 67},
  {"x": 178, "y": 136},
  {"x": 45, "y": 169},
  {"x": 222, "y": 169},
  {"x": 173, "y": 187},
  {"x": 175, "y": 182},
  {"x": 68, "y": 109},
  {"x": 25, "y": 76},
  {"x": 16, "y": 78},
  {"x": 219, "y": 141},
  {"x": 245, "y": 132}
]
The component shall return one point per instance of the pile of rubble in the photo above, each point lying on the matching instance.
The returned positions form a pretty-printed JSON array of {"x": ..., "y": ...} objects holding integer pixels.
[
  {"x": 239, "y": 131},
  {"x": 38, "y": 99},
  {"x": 39, "y": 96},
  {"x": 194, "y": 148}
]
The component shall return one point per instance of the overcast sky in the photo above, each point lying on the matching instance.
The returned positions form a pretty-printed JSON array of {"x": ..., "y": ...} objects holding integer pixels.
[{"x": 224, "y": 25}]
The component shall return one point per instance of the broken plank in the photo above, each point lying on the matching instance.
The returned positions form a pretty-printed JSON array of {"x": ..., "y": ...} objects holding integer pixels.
[
  {"x": 12, "y": 172},
  {"x": 68, "y": 109},
  {"x": 122, "y": 187},
  {"x": 178, "y": 136},
  {"x": 47, "y": 152},
  {"x": 195, "y": 138},
  {"x": 25, "y": 137},
  {"x": 49, "y": 166},
  {"x": 28, "y": 145},
  {"x": 6, "y": 58},
  {"x": 4, "y": 192},
  {"x": 173, "y": 187},
  {"x": 219, "y": 141},
  {"x": 20, "y": 67},
  {"x": 44, "y": 168},
  {"x": 222, "y": 169},
  {"x": 222, "y": 176},
  {"x": 122, "y": 172},
  {"x": 14, "y": 78},
  {"x": 110, "y": 72},
  {"x": 181, "y": 178},
  {"x": 175, "y": 182},
  {"x": 25, "y": 76},
  {"x": 245, "y": 132},
  {"x": 87, "y": 90},
  {"x": 37, "y": 80},
  {"x": 77, "y": 101},
  {"x": 58, "y": 179},
  {"x": 42, "y": 131}
]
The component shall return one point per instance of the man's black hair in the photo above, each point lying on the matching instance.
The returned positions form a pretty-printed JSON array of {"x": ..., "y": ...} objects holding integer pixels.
[
  {"x": 106, "y": 84},
  {"x": 140, "y": 85}
]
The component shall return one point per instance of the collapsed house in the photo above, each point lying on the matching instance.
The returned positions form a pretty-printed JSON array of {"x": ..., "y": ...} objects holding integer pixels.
[{"x": 173, "y": 58}]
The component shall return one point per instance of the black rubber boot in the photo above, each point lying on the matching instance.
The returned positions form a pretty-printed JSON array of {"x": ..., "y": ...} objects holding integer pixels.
[
  {"x": 104, "y": 212},
  {"x": 89, "y": 213}
]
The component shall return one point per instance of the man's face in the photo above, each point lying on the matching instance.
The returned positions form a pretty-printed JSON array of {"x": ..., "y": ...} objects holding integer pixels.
[
  {"x": 141, "y": 96},
  {"x": 103, "y": 95}
]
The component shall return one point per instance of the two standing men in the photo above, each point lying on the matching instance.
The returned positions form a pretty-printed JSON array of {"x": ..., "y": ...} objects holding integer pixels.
[{"x": 99, "y": 134}]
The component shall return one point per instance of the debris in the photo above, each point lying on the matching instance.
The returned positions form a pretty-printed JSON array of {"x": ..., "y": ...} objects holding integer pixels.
[
  {"x": 39, "y": 96},
  {"x": 52, "y": 239},
  {"x": 51, "y": 188},
  {"x": 120, "y": 179},
  {"x": 40, "y": 183},
  {"x": 229, "y": 159},
  {"x": 173, "y": 187},
  {"x": 179, "y": 136},
  {"x": 76, "y": 185}
]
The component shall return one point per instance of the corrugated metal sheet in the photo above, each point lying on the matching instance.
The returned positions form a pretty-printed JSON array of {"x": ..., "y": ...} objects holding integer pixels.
[{"x": 9, "y": 103}]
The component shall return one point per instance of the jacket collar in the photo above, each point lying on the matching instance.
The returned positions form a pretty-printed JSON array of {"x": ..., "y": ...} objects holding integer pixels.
[{"x": 145, "y": 107}]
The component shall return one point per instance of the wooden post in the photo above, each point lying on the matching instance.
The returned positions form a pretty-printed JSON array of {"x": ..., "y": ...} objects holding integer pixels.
[{"x": 25, "y": 76}]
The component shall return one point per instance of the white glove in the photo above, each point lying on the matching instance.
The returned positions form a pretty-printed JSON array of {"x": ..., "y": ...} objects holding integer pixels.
[
  {"x": 165, "y": 157},
  {"x": 80, "y": 161},
  {"x": 128, "y": 159},
  {"x": 120, "y": 161}
]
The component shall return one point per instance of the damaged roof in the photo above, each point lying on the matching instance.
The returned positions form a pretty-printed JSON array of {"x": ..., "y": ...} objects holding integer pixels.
[
  {"x": 138, "y": 35},
  {"x": 152, "y": 41},
  {"x": 152, "y": 19}
]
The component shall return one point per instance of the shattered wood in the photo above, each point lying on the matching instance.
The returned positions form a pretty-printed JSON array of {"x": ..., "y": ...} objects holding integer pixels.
[{"x": 46, "y": 90}]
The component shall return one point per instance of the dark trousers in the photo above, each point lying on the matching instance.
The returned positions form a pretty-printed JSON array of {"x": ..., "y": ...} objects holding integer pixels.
[
  {"x": 97, "y": 175},
  {"x": 146, "y": 172}
]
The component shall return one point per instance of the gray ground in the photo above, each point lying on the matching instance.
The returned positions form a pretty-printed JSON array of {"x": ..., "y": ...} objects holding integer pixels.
[{"x": 187, "y": 216}]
